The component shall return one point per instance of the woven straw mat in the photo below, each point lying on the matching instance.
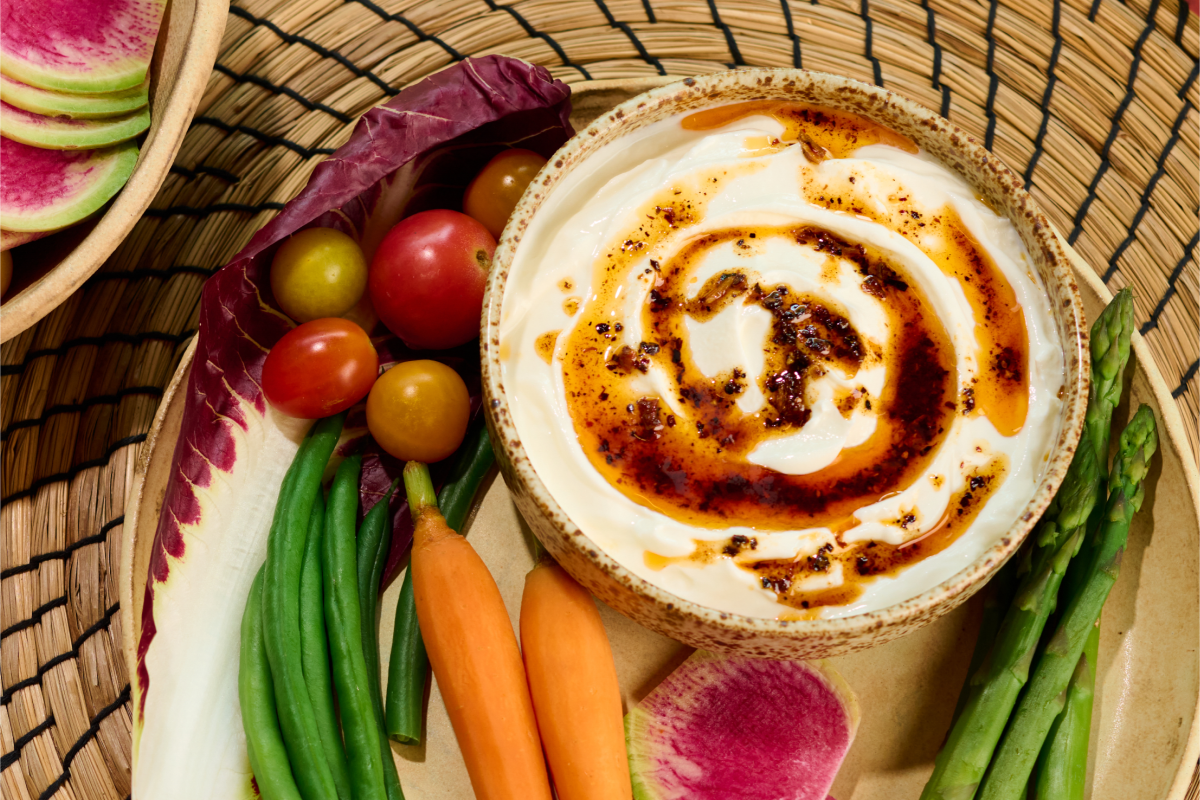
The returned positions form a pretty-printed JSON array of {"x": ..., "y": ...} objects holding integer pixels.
[{"x": 1093, "y": 102}]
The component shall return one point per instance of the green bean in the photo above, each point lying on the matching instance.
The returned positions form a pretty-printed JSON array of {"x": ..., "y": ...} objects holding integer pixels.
[
  {"x": 408, "y": 667},
  {"x": 342, "y": 616},
  {"x": 314, "y": 651},
  {"x": 407, "y": 670},
  {"x": 281, "y": 611},
  {"x": 268, "y": 756},
  {"x": 374, "y": 540}
]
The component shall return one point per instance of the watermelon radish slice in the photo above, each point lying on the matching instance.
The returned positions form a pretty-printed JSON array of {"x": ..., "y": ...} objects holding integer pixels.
[
  {"x": 76, "y": 106},
  {"x": 735, "y": 728},
  {"x": 71, "y": 46},
  {"x": 64, "y": 133},
  {"x": 11, "y": 239},
  {"x": 43, "y": 190}
]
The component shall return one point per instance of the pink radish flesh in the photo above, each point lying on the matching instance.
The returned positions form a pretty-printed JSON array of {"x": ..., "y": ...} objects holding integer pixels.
[{"x": 731, "y": 728}]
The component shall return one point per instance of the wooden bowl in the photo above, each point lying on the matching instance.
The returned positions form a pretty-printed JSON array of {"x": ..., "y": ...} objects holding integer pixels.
[
  {"x": 47, "y": 271},
  {"x": 685, "y": 620}
]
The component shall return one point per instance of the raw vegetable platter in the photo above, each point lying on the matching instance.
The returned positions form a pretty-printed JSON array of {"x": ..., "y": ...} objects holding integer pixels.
[{"x": 1144, "y": 738}]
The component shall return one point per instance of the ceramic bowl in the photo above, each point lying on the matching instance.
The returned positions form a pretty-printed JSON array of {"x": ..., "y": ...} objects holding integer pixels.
[
  {"x": 49, "y": 270},
  {"x": 708, "y": 628}
]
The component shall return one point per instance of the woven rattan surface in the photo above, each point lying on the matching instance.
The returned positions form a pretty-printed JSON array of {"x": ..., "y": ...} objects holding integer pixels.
[{"x": 1094, "y": 102}]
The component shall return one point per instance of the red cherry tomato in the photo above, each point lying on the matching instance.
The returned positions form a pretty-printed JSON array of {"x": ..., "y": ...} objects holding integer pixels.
[
  {"x": 494, "y": 193},
  {"x": 428, "y": 276},
  {"x": 320, "y": 368}
]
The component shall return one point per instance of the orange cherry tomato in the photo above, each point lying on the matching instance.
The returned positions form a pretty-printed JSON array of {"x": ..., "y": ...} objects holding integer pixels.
[
  {"x": 494, "y": 193},
  {"x": 419, "y": 410},
  {"x": 320, "y": 368}
]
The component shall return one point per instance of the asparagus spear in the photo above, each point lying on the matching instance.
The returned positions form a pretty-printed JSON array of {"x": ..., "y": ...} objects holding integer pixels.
[
  {"x": 1062, "y": 766},
  {"x": 1063, "y": 763},
  {"x": 998, "y": 595},
  {"x": 1111, "y": 336},
  {"x": 1030, "y": 724},
  {"x": 992, "y": 689}
]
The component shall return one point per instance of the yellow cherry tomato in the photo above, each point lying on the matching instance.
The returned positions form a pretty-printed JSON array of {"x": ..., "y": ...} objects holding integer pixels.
[
  {"x": 419, "y": 410},
  {"x": 317, "y": 273},
  {"x": 5, "y": 272}
]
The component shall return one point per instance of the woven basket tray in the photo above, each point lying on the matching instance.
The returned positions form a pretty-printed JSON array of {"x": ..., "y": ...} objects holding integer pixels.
[{"x": 1095, "y": 103}]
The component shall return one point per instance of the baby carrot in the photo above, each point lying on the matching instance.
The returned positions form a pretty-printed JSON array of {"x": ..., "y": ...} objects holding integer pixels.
[
  {"x": 474, "y": 654},
  {"x": 573, "y": 681}
]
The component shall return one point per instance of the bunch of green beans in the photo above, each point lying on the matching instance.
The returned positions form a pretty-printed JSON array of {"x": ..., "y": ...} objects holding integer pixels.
[
  {"x": 308, "y": 628},
  {"x": 310, "y": 633}
]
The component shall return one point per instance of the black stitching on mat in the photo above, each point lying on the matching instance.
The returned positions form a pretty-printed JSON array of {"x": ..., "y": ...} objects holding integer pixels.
[
  {"x": 112, "y": 337},
  {"x": 9, "y": 758},
  {"x": 791, "y": 33},
  {"x": 265, "y": 138},
  {"x": 194, "y": 211},
  {"x": 1095, "y": 9},
  {"x": 936, "y": 77},
  {"x": 67, "y": 408},
  {"x": 643, "y": 53},
  {"x": 649, "y": 11},
  {"x": 192, "y": 174},
  {"x": 1181, "y": 15},
  {"x": 292, "y": 38},
  {"x": 1051, "y": 79},
  {"x": 1172, "y": 285},
  {"x": 1116, "y": 124},
  {"x": 1187, "y": 376},
  {"x": 38, "y": 613},
  {"x": 311, "y": 105},
  {"x": 1160, "y": 169},
  {"x": 147, "y": 272},
  {"x": 864, "y": 11},
  {"x": 535, "y": 33},
  {"x": 1192, "y": 78},
  {"x": 95, "y": 628},
  {"x": 87, "y": 736},
  {"x": 730, "y": 42},
  {"x": 57, "y": 555},
  {"x": 421, "y": 35},
  {"x": 993, "y": 79},
  {"x": 75, "y": 470}
]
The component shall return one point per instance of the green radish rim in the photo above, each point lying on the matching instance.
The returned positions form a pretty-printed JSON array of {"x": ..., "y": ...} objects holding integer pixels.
[
  {"x": 77, "y": 106},
  {"x": 113, "y": 166},
  {"x": 114, "y": 77},
  {"x": 62, "y": 133}
]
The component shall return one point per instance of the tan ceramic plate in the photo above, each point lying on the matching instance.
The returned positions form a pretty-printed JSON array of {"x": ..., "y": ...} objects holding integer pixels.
[
  {"x": 48, "y": 271},
  {"x": 1145, "y": 735}
]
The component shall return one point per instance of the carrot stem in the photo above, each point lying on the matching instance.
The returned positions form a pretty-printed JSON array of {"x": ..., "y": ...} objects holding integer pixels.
[{"x": 419, "y": 488}]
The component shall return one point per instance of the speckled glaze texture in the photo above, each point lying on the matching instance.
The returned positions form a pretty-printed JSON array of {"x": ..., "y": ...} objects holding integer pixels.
[{"x": 707, "y": 628}]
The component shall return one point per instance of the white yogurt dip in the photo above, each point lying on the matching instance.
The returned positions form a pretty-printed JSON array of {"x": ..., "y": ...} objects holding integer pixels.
[{"x": 780, "y": 377}]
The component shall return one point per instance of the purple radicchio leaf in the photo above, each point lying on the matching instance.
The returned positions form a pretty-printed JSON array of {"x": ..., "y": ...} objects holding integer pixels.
[{"x": 417, "y": 151}]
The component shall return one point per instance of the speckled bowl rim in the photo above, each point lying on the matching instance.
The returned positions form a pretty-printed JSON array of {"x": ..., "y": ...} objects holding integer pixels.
[{"x": 892, "y": 110}]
